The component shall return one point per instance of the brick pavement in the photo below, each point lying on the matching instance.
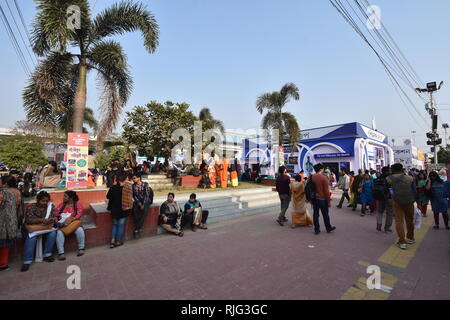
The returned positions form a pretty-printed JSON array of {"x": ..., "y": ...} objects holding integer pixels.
[{"x": 247, "y": 258}]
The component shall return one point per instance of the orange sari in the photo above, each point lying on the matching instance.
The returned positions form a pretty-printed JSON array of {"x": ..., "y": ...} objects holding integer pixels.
[
  {"x": 300, "y": 216},
  {"x": 224, "y": 174}
]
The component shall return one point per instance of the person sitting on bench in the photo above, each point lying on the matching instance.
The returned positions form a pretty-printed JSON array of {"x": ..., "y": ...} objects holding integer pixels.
[
  {"x": 194, "y": 215},
  {"x": 170, "y": 216}
]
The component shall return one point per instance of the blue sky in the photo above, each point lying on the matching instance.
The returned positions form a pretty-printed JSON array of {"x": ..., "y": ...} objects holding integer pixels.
[{"x": 223, "y": 54}]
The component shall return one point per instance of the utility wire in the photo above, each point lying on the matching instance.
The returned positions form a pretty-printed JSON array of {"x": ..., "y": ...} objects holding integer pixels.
[
  {"x": 347, "y": 16},
  {"x": 14, "y": 42},
  {"x": 408, "y": 77},
  {"x": 20, "y": 33},
  {"x": 419, "y": 79}
]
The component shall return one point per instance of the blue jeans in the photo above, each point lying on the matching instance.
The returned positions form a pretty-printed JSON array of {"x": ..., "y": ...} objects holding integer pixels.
[
  {"x": 118, "y": 228},
  {"x": 60, "y": 239},
  {"x": 321, "y": 205},
  {"x": 30, "y": 245}
]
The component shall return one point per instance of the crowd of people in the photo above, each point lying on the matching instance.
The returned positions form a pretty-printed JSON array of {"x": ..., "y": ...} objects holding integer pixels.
[
  {"x": 44, "y": 222},
  {"x": 394, "y": 193}
]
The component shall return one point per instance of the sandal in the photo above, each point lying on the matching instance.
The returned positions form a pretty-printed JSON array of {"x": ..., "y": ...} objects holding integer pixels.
[{"x": 80, "y": 253}]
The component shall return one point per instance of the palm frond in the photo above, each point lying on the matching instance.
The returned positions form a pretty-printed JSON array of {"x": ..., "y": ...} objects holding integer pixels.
[
  {"x": 291, "y": 127},
  {"x": 265, "y": 101},
  {"x": 205, "y": 114},
  {"x": 271, "y": 121},
  {"x": 49, "y": 90},
  {"x": 127, "y": 17},
  {"x": 289, "y": 90},
  {"x": 51, "y": 29},
  {"x": 111, "y": 107},
  {"x": 108, "y": 58}
]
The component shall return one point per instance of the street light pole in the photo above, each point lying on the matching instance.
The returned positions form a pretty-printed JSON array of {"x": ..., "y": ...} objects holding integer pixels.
[
  {"x": 430, "y": 107},
  {"x": 445, "y": 126}
]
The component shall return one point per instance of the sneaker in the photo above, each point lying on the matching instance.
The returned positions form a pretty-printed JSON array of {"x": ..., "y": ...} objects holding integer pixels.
[
  {"x": 436, "y": 227},
  {"x": 409, "y": 241},
  {"x": 387, "y": 230},
  {"x": 331, "y": 230},
  {"x": 25, "y": 268},
  {"x": 4, "y": 268},
  {"x": 401, "y": 245},
  {"x": 49, "y": 259},
  {"x": 61, "y": 257},
  {"x": 339, "y": 207},
  {"x": 281, "y": 223},
  {"x": 285, "y": 219},
  {"x": 316, "y": 232},
  {"x": 362, "y": 214}
]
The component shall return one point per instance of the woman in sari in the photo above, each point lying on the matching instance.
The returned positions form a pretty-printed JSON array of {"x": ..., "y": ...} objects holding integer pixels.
[
  {"x": 224, "y": 176},
  {"x": 10, "y": 221},
  {"x": 300, "y": 216}
]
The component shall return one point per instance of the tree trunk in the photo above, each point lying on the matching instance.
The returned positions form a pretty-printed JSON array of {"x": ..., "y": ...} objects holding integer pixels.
[{"x": 80, "y": 100}]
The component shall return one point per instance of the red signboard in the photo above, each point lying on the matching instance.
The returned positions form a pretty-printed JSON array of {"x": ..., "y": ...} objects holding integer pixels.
[{"x": 77, "y": 160}]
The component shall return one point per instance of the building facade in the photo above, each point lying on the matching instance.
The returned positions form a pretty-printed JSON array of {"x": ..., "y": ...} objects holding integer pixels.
[{"x": 352, "y": 146}]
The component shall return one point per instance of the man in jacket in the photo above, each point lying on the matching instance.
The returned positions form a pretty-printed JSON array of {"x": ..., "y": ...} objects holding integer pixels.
[
  {"x": 283, "y": 184},
  {"x": 322, "y": 199},
  {"x": 403, "y": 190},
  {"x": 385, "y": 202},
  {"x": 355, "y": 188}
]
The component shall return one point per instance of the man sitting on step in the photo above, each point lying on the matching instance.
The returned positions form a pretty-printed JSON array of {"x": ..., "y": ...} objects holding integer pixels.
[{"x": 194, "y": 215}]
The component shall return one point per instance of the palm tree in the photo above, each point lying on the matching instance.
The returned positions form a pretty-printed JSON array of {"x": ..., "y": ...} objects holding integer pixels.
[
  {"x": 208, "y": 121},
  {"x": 65, "y": 122},
  {"x": 275, "y": 118},
  {"x": 59, "y": 81}
]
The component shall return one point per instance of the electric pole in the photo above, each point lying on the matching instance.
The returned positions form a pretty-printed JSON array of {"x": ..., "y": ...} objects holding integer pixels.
[
  {"x": 430, "y": 107},
  {"x": 445, "y": 126}
]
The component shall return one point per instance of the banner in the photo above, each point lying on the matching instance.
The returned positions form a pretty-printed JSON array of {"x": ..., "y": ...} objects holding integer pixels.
[
  {"x": 141, "y": 160},
  {"x": 77, "y": 160}
]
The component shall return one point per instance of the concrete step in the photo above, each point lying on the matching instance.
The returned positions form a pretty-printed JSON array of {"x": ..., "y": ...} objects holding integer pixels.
[
  {"x": 230, "y": 214},
  {"x": 161, "y": 186}
]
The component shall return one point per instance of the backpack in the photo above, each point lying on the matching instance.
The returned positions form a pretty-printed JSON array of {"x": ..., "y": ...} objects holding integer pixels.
[
  {"x": 379, "y": 189},
  {"x": 403, "y": 191},
  {"x": 310, "y": 190}
]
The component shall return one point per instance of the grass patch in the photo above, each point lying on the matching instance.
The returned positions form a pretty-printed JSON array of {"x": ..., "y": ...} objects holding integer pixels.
[{"x": 181, "y": 190}]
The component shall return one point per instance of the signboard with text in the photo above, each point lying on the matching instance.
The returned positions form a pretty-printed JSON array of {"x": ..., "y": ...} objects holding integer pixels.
[{"x": 77, "y": 160}]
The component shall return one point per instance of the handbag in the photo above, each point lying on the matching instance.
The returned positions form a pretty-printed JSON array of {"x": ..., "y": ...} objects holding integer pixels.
[
  {"x": 38, "y": 227},
  {"x": 71, "y": 228}
]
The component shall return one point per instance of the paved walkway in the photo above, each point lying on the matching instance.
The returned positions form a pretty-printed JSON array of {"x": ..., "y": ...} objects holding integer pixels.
[{"x": 250, "y": 258}]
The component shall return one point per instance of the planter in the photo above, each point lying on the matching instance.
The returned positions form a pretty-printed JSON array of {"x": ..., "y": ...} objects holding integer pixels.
[{"x": 190, "y": 181}]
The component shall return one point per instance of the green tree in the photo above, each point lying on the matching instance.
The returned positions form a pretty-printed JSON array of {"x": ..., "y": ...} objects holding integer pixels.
[
  {"x": 22, "y": 153},
  {"x": 150, "y": 128},
  {"x": 103, "y": 160},
  {"x": 58, "y": 85},
  {"x": 275, "y": 118},
  {"x": 443, "y": 156}
]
